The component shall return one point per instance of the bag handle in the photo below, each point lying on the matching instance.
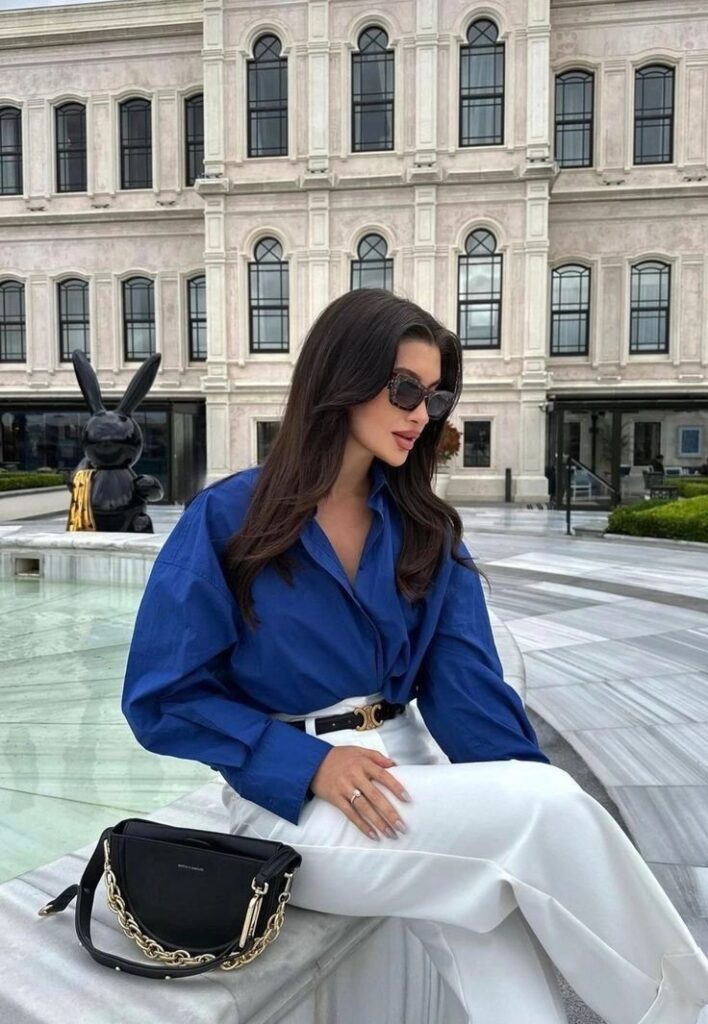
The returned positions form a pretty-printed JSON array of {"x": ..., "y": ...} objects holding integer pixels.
[{"x": 86, "y": 891}]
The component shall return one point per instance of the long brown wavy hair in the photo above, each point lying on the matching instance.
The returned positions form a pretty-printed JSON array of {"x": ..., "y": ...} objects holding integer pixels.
[{"x": 347, "y": 358}]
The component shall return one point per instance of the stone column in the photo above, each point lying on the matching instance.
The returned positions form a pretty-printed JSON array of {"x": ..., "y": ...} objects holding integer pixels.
[
  {"x": 426, "y": 98},
  {"x": 531, "y": 483},
  {"x": 538, "y": 137},
  {"x": 37, "y": 161},
  {"x": 213, "y": 51},
  {"x": 318, "y": 87},
  {"x": 166, "y": 143},
  {"x": 319, "y": 256},
  {"x": 106, "y": 333},
  {"x": 103, "y": 151},
  {"x": 424, "y": 255},
  {"x": 37, "y": 299}
]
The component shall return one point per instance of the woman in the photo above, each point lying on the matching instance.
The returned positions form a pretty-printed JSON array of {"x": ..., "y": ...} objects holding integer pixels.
[{"x": 292, "y": 615}]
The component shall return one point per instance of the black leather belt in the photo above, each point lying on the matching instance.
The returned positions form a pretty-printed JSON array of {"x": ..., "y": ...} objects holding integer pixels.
[{"x": 367, "y": 716}]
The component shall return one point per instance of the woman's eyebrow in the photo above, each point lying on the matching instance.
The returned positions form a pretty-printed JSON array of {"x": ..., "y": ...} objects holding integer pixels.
[{"x": 403, "y": 369}]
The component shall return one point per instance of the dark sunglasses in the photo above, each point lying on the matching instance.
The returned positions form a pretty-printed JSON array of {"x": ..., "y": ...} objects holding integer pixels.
[{"x": 407, "y": 393}]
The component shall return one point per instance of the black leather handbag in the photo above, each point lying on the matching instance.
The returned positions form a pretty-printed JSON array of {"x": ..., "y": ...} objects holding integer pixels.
[{"x": 194, "y": 900}]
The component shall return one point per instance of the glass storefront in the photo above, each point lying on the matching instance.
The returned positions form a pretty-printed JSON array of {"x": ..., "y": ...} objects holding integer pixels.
[
  {"x": 616, "y": 440},
  {"x": 174, "y": 441}
]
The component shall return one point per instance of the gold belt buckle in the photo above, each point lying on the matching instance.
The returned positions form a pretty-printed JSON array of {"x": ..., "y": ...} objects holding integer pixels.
[{"x": 368, "y": 711}]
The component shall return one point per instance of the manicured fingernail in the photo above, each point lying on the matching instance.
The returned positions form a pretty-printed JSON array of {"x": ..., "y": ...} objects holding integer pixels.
[
  {"x": 406, "y": 795},
  {"x": 400, "y": 826},
  {"x": 375, "y": 835}
]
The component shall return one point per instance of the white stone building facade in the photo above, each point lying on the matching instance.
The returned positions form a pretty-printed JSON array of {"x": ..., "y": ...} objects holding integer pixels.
[{"x": 580, "y": 292}]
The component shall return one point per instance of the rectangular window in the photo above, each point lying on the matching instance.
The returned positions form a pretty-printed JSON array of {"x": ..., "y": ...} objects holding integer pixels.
[
  {"x": 477, "y": 443},
  {"x": 653, "y": 114},
  {"x": 266, "y": 433},
  {"x": 70, "y": 123},
  {"x": 135, "y": 144},
  {"x": 573, "y": 119},
  {"x": 647, "y": 442}
]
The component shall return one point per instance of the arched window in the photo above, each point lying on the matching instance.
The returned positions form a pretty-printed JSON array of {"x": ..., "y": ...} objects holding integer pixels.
[
  {"x": 70, "y": 120},
  {"x": 12, "y": 322},
  {"x": 654, "y": 115},
  {"x": 482, "y": 86},
  {"x": 372, "y": 92},
  {"x": 574, "y": 118},
  {"x": 196, "y": 313},
  {"x": 268, "y": 298},
  {"x": 570, "y": 310},
  {"x": 373, "y": 268},
  {"x": 479, "y": 292},
  {"x": 138, "y": 318},
  {"x": 73, "y": 317},
  {"x": 10, "y": 151},
  {"x": 267, "y": 99},
  {"x": 650, "y": 298},
  {"x": 135, "y": 144},
  {"x": 194, "y": 138}
]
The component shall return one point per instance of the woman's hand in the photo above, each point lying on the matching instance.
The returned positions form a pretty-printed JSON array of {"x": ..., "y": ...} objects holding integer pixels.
[{"x": 346, "y": 768}]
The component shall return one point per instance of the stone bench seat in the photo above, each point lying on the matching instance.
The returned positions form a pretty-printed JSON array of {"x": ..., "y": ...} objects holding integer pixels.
[{"x": 322, "y": 968}]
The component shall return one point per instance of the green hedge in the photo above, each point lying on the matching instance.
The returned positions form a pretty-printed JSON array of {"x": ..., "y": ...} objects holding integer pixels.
[
  {"x": 682, "y": 519},
  {"x": 693, "y": 488},
  {"x": 11, "y": 481}
]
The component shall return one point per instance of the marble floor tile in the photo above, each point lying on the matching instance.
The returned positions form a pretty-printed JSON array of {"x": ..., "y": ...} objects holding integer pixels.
[
  {"x": 671, "y": 826},
  {"x": 687, "y": 648},
  {"x": 595, "y": 662},
  {"x": 572, "y": 593},
  {"x": 647, "y": 700},
  {"x": 537, "y": 633},
  {"x": 628, "y": 618},
  {"x": 645, "y": 755}
]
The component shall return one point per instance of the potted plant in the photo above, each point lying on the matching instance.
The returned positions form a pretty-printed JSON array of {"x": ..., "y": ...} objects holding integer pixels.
[{"x": 448, "y": 445}]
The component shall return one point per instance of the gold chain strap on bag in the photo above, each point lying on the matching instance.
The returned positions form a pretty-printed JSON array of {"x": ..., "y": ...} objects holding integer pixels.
[{"x": 183, "y": 957}]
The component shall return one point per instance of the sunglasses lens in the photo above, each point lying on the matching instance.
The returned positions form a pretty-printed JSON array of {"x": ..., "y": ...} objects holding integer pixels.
[
  {"x": 408, "y": 394},
  {"x": 439, "y": 405}
]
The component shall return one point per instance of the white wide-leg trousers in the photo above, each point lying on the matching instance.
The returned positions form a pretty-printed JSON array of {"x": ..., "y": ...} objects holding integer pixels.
[{"x": 507, "y": 867}]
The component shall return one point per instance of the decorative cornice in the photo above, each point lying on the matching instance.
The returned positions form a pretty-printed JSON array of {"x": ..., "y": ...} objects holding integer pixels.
[{"x": 114, "y": 19}]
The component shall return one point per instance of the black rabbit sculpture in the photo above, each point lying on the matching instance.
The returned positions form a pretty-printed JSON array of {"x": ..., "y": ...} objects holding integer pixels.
[{"x": 106, "y": 493}]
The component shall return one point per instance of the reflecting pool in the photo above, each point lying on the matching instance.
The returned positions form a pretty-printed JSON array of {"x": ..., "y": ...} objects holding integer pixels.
[{"x": 69, "y": 764}]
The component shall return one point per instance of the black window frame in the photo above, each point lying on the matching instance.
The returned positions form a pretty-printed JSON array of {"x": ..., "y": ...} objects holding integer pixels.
[
  {"x": 14, "y": 322},
  {"x": 193, "y": 139},
  {"x": 196, "y": 320},
  {"x": 267, "y": 254},
  {"x": 561, "y": 311},
  {"x": 131, "y": 320},
  {"x": 647, "y": 120},
  {"x": 372, "y": 257},
  {"x": 66, "y": 152},
  {"x": 493, "y": 92},
  {"x": 662, "y": 308},
  {"x": 66, "y": 319},
  {"x": 496, "y": 261},
  {"x": 11, "y": 154},
  {"x": 130, "y": 148},
  {"x": 568, "y": 124},
  {"x": 370, "y": 50},
  {"x": 260, "y": 68}
]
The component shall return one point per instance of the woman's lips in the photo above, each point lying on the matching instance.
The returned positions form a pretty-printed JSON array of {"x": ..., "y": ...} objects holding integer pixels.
[{"x": 403, "y": 442}]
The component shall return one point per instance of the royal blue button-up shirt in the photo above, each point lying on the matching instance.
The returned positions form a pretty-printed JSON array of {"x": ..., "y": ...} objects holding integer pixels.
[{"x": 199, "y": 684}]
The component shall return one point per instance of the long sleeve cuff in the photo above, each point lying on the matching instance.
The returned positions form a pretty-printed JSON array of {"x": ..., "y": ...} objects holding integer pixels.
[{"x": 278, "y": 774}]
